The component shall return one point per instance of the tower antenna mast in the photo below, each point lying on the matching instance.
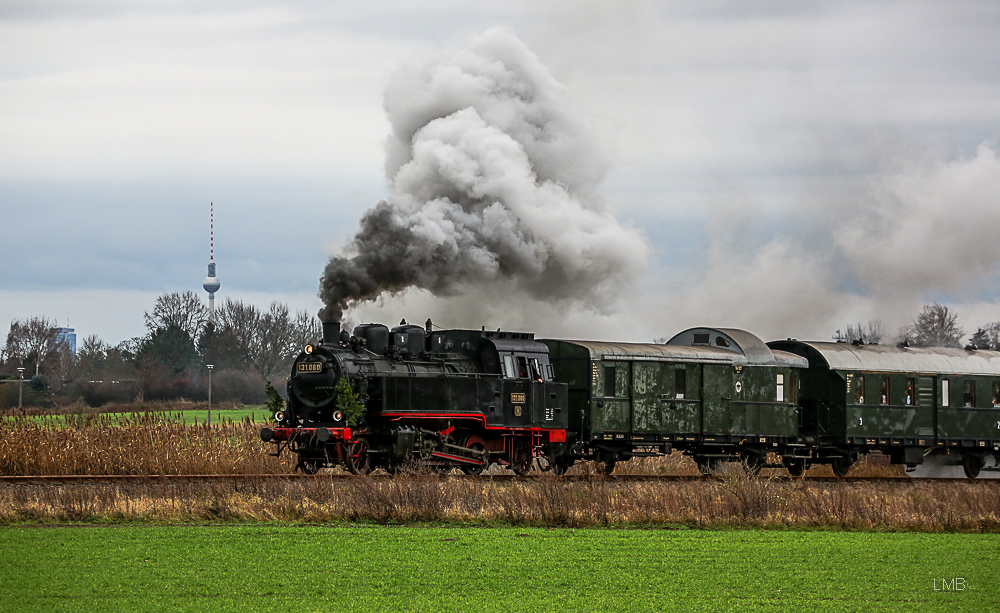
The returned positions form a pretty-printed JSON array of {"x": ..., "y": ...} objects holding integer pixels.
[{"x": 211, "y": 283}]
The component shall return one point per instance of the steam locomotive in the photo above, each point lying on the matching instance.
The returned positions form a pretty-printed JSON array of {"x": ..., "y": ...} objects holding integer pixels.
[
  {"x": 438, "y": 398},
  {"x": 471, "y": 398}
]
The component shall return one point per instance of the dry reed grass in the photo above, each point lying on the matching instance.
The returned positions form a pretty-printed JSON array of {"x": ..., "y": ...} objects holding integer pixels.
[
  {"x": 735, "y": 500},
  {"x": 139, "y": 444},
  {"x": 92, "y": 443},
  {"x": 873, "y": 465}
]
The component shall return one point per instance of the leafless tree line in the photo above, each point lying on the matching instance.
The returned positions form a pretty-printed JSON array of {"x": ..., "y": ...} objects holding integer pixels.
[
  {"x": 247, "y": 346},
  {"x": 935, "y": 326}
]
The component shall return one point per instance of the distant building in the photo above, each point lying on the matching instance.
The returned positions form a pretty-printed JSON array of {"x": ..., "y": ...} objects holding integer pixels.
[{"x": 66, "y": 337}]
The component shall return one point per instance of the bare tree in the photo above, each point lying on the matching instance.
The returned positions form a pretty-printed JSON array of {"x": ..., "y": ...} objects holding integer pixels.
[
  {"x": 268, "y": 340},
  {"x": 305, "y": 329},
  {"x": 935, "y": 326},
  {"x": 32, "y": 342},
  {"x": 870, "y": 333},
  {"x": 987, "y": 337},
  {"x": 275, "y": 341},
  {"x": 184, "y": 310}
]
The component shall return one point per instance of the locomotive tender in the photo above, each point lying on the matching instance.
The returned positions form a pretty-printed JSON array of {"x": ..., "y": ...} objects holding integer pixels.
[{"x": 471, "y": 398}]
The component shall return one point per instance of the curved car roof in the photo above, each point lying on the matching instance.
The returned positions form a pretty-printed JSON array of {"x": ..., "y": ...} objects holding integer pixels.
[
  {"x": 602, "y": 350},
  {"x": 886, "y": 358},
  {"x": 681, "y": 348},
  {"x": 748, "y": 346}
]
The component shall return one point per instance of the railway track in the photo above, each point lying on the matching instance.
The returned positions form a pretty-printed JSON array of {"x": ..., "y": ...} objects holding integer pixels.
[{"x": 56, "y": 479}]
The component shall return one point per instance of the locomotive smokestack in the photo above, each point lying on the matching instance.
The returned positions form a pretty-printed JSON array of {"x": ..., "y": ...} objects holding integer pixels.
[{"x": 331, "y": 333}]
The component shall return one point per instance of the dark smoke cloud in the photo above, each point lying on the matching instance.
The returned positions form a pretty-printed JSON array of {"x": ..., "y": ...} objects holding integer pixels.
[{"x": 491, "y": 178}]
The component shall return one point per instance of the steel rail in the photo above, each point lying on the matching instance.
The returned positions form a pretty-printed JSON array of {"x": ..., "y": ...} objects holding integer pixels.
[{"x": 483, "y": 478}]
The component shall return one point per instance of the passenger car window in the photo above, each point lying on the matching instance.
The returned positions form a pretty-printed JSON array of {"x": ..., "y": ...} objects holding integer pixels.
[
  {"x": 945, "y": 394},
  {"x": 885, "y": 390},
  {"x": 780, "y": 385},
  {"x": 969, "y": 393},
  {"x": 909, "y": 397},
  {"x": 859, "y": 391},
  {"x": 996, "y": 393},
  {"x": 609, "y": 381},
  {"x": 680, "y": 383}
]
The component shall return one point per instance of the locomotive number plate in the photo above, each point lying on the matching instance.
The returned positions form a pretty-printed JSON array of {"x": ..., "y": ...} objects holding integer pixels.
[
  {"x": 518, "y": 398},
  {"x": 309, "y": 367}
]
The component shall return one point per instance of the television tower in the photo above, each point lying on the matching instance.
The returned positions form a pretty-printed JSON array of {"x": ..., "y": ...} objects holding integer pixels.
[{"x": 211, "y": 282}]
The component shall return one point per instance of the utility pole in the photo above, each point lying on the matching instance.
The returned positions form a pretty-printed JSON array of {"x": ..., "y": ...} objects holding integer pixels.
[
  {"x": 210, "y": 367},
  {"x": 20, "y": 389}
]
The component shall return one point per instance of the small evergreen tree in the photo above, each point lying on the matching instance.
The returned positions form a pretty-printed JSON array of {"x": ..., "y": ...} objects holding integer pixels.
[
  {"x": 348, "y": 403},
  {"x": 39, "y": 383},
  {"x": 275, "y": 402}
]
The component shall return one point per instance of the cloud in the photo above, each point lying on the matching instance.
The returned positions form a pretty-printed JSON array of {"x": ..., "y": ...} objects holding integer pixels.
[
  {"x": 929, "y": 228},
  {"x": 492, "y": 178}
]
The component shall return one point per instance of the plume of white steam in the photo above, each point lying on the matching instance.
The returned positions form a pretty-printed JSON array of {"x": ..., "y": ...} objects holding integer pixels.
[
  {"x": 931, "y": 229},
  {"x": 491, "y": 178}
]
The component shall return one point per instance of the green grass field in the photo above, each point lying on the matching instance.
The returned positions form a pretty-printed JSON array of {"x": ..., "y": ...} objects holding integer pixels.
[{"x": 395, "y": 568}]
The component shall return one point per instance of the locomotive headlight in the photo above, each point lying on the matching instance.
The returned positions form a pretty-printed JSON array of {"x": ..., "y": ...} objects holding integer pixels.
[
  {"x": 279, "y": 416},
  {"x": 308, "y": 349},
  {"x": 337, "y": 416}
]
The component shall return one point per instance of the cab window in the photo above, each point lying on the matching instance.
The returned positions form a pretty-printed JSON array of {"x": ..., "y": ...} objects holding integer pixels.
[
  {"x": 522, "y": 367},
  {"x": 508, "y": 367},
  {"x": 534, "y": 369}
]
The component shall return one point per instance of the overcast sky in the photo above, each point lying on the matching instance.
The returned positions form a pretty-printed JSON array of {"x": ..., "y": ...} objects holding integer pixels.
[{"x": 792, "y": 166}]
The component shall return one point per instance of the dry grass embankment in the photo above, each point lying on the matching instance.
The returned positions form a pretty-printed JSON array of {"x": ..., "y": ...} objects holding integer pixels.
[
  {"x": 735, "y": 500},
  {"x": 143, "y": 444}
]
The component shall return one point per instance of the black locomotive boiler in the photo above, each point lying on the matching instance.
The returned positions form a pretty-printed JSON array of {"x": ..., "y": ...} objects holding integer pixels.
[{"x": 416, "y": 396}]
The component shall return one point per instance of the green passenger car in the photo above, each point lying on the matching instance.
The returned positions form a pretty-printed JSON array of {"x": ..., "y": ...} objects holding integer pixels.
[
  {"x": 909, "y": 403},
  {"x": 714, "y": 393}
]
